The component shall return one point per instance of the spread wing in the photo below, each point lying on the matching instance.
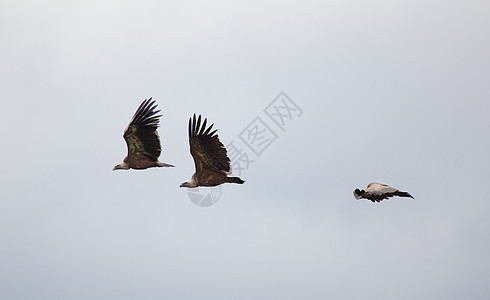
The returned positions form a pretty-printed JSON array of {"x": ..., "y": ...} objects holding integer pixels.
[
  {"x": 141, "y": 134},
  {"x": 206, "y": 149},
  {"x": 378, "y": 191}
]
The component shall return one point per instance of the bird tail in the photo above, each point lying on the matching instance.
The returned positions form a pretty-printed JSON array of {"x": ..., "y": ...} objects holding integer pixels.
[
  {"x": 235, "y": 180},
  {"x": 162, "y": 164},
  {"x": 403, "y": 194}
]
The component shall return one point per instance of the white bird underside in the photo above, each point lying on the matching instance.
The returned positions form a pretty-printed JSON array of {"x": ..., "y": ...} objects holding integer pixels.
[{"x": 377, "y": 192}]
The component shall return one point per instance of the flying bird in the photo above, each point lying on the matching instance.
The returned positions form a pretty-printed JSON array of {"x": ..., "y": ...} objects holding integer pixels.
[
  {"x": 142, "y": 139},
  {"x": 210, "y": 159},
  {"x": 376, "y": 192}
]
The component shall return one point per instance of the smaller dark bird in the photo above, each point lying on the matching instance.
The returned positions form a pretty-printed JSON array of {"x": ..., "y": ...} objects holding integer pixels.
[
  {"x": 377, "y": 192},
  {"x": 142, "y": 139}
]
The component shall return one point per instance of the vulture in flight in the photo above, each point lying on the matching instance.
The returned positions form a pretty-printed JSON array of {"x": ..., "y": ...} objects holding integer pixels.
[
  {"x": 142, "y": 139},
  {"x": 378, "y": 191},
  {"x": 210, "y": 159}
]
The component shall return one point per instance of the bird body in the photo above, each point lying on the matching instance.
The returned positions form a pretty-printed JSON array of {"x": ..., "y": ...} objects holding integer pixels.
[
  {"x": 210, "y": 159},
  {"x": 377, "y": 192},
  {"x": 142, "y": 139}
]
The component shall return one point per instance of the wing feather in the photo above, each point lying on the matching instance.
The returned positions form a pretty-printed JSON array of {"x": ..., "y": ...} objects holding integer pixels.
[
  {"x": 141, "y": 134},
  {"x": 378, "y": 191},
  {"x": 206, "y": 149}
]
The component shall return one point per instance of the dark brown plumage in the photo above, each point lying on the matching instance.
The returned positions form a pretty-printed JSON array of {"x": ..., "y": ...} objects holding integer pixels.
[
  {"x": 210, "y": 159},
  {"x": 142, "y": 139}
]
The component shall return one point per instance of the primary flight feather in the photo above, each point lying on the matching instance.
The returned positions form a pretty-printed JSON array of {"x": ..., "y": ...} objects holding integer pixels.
[{"x": 142, "y": 139}]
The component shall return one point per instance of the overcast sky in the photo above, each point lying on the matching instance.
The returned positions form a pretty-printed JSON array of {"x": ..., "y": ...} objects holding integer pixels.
[{"x": 389, "y": 91}]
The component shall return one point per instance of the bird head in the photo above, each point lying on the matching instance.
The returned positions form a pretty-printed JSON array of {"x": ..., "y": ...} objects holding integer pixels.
[
  {"x": 358, "y": 193},
  {"x": 120, "y": 166},
  {"x": 188, "y": 184}
]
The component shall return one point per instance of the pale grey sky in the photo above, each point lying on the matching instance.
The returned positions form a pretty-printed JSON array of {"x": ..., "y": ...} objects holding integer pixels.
[{"x": 391, "y": 91}]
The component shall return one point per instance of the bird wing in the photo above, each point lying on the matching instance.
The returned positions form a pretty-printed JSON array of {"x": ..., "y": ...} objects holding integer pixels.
[
  {"x": 379, "y": 191},
  {"x": 141, "y": 134},
  {"x": 206, "y": 149}
]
